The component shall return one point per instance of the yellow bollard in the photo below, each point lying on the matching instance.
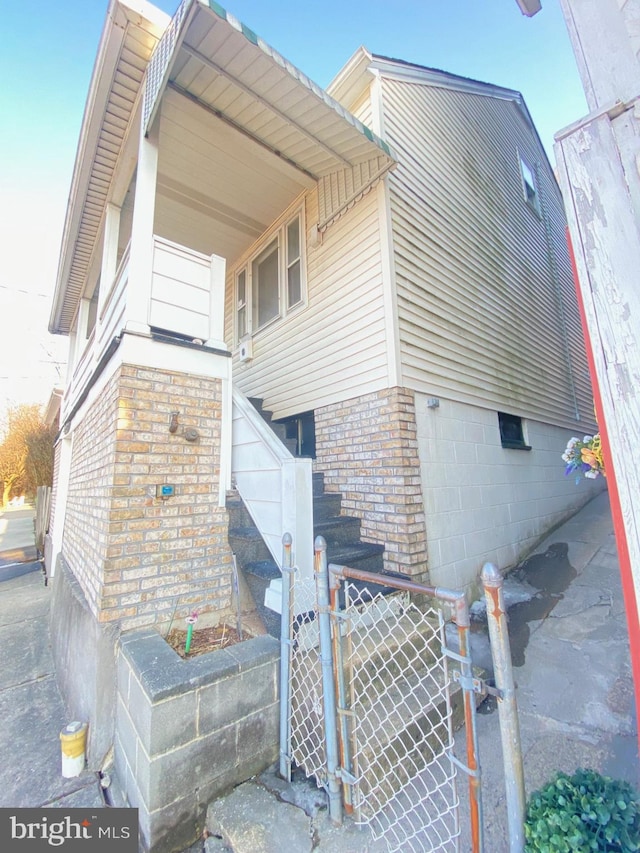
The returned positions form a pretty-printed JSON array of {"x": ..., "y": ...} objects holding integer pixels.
[{"x": 73, "y": 741}]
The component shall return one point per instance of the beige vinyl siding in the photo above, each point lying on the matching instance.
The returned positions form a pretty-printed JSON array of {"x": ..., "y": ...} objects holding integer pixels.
[
  {"x": 480, "y": 316},
  {"x": 333, "y": 347},
  {"x": 362, "y": 109}
]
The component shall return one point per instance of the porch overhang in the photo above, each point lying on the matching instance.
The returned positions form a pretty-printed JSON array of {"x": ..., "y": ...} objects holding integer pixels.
[
  {"x": 213, "y": 59},
  {"x": 207, "y": 55}
]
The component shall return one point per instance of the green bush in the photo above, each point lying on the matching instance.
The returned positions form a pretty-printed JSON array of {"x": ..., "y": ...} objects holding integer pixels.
[{"x": 583, "y": 812}]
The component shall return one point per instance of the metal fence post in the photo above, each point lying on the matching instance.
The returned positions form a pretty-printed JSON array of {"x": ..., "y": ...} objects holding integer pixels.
[
  {"x": 286, "y": 639},
  {"x": 328, "y": 690},
  {"x": 344, "y": 745},
  {"x": 463, "y": 623},
  {"x": 507, "y": 707}
]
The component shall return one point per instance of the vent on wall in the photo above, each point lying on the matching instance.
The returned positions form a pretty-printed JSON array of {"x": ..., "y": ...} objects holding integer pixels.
[{"x": 245, "y": 350}]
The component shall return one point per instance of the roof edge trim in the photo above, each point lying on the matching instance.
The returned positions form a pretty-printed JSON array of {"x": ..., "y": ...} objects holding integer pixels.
[{"x": 414, "y": 73}]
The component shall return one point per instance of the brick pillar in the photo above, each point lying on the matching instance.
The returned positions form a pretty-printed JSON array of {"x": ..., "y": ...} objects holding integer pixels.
[
  {"x": 367, "y": 449},
  {"x": 140, "y": 559}
]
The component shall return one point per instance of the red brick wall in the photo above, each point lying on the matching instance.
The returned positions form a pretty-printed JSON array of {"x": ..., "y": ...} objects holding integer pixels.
[{"x": 367, "y": 449}]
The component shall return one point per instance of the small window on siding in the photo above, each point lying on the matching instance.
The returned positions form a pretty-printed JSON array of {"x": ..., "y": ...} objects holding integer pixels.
[
  {"x": 530, "y": 186},
  {"x": 272, "y": 282},
  {"x": 512, "y": 432},
  {"x": 264, "y": 278}
]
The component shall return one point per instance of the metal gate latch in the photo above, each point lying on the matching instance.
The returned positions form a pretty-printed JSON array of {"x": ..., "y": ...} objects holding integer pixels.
[
  {"x": 346, "y": 777},
  {"x": 477, "y": 685}
]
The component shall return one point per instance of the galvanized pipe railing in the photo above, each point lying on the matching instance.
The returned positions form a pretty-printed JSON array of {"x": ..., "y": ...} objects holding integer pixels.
[
  {"x": 344, "y": 743},
  {"x": 286, "y": 640},
  {"x": 507, "y": 707},
  {"x": 328, "y": 687}
]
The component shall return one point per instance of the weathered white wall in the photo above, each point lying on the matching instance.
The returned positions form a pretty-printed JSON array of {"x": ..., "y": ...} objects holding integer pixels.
[
  {"x": 598, "y": 161},
  {"x": 482, "y": 501},
  {"x": 605, "y": 35}
]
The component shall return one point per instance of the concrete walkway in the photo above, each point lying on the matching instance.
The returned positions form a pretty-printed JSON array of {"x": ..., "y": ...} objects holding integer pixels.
[
  {"x": 31, "y": 708},
  {"x": 573, "y": 678}
]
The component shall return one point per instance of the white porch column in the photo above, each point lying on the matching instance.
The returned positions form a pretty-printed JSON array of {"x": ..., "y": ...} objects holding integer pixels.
[
  {"x": 109, "y": 254},
  {"x": 72, "y": 358},
  {"x": 83, "y": 325},
  {"x": 141, "y": 257},
  {"x": 216, "y": 303}
]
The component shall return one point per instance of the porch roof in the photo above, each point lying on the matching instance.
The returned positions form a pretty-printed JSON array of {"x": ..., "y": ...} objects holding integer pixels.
[
  {"x": 209, "y": 56},
  {"x": 214, "y": 59}
]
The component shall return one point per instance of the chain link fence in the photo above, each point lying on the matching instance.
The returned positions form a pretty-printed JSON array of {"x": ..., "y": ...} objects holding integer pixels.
[
  {"x": 307, "y": 724},
  {"x": 400, "y": 712},
  {"x": 383, "y": 745}
]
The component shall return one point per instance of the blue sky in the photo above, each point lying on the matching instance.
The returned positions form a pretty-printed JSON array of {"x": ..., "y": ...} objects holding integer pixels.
[{"x": 47, "y": 53}]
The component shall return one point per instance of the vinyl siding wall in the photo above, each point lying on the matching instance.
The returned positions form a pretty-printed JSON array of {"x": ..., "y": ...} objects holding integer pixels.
[
  {"x": 334, "y": 346},
  {"x": 481, "y": 300}
]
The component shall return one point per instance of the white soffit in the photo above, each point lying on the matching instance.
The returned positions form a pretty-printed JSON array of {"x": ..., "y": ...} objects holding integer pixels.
[
  {"x": 215, "y": 60},
  {"x": 131, "y": 32}
]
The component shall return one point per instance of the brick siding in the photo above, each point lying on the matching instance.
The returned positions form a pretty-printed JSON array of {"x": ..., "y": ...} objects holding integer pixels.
[
  {"x": 367, "y": 449},
  {"x": 141, "y": 559},
  {"x": 57, "y": 452}
]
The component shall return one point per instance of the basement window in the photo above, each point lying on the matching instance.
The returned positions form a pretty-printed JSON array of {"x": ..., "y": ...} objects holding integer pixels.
[{"x": 512, "y": 432}]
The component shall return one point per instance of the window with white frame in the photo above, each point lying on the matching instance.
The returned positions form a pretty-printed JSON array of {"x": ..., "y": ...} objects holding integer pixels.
[
  {"x": 529, "y": 186},
  {"x": 271, "y": 283}
]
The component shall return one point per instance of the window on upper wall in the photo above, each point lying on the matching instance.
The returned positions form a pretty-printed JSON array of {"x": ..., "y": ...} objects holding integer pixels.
[
  {"x": 529, "y": 186},
  {"x": 512, "y": 432},
  {"x": 271, "y": 283}
]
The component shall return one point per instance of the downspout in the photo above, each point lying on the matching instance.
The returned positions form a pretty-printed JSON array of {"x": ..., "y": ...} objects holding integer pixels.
[{"x": 626, "y": 574}]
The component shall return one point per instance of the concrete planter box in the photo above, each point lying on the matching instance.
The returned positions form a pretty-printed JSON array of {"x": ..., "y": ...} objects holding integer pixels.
[{"x": 189, "y": 730}]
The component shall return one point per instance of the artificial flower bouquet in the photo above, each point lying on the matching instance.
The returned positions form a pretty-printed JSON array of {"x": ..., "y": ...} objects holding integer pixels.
[{"x": 584, "y": 457}]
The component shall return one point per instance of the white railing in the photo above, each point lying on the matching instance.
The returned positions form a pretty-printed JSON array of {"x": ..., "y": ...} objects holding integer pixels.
[
  {"x": 108, "y": 326},
  {"x": 81, "y": 374},
  {"x": 186, "y": 296},
  {"x": 181, "y": 290},
  {"x": 275, "y": 486},
  {"x": 112, "y": 311}
]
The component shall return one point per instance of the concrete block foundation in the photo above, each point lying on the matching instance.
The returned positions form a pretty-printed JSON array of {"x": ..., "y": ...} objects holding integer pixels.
[
  {"x": 187, "y": 731},
  {"x": 84, "y": 653}
]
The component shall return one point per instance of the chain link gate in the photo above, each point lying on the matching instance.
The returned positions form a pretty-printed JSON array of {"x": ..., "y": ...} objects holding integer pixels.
[{"x": 370, "y": 702}]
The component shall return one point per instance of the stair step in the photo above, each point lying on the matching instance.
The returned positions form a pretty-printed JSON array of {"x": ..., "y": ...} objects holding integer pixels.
[
  {"x": 265, "y": 569},
  {"x": 318, "y": 483},
  {"x": 326, "y": 505},
  {"x": 248, "y": 545},
  {"x": 358, "y": 555},
  {"x": 338, "y": 529},
  {"x": 239, "y": 516}
]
